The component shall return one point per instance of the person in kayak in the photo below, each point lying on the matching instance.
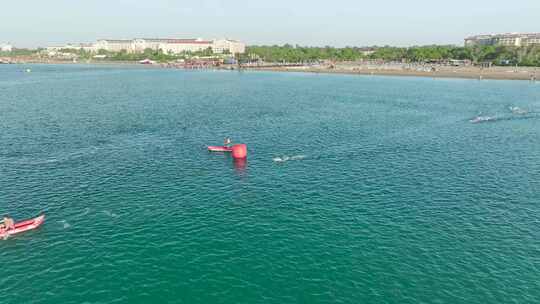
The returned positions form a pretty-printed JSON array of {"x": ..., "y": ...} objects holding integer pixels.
[
  {"x": 227, "y": 142},
  {"x": 7, "y": 223}
]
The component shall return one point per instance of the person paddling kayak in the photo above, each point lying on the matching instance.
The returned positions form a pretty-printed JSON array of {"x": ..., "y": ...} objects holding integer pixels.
[
  {"x": 6, "y": 224},
  {"x": 8, "y": 227}
]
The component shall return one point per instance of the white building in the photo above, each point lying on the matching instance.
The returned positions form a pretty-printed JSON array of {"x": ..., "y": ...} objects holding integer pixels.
[
  {"x": 513, "y": 39},
  {"x": 6, "y": 47},
  {"x": 179, "y": 46},
  {"x": 170, "y": 46},
  {"x": 89, "y": 47},
  {"x": 533, "y": 39},
  {"x": 113, "y": 45},
  {"x": 140, "y": 44},
  {"x": 167, "y": 45},
  {"x": 221, "y": 46}
]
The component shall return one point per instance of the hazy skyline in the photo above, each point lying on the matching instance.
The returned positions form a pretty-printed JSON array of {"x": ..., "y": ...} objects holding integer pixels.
[{"x": 338, "y": 23}]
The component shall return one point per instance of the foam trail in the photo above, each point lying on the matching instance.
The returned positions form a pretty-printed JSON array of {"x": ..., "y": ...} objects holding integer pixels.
[
  {"x": 480, "y": 119},
  {"x": 60, "y": 157},
  {"x": 288, "y": 158},
  {"x": 280, "y": 159}
]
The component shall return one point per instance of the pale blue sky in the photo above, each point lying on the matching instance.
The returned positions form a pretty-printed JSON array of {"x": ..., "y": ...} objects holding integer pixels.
[{"x": 33, "y": 23}]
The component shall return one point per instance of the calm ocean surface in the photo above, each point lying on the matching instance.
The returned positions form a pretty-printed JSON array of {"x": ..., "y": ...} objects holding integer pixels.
[{"x": 357, "y": 189}]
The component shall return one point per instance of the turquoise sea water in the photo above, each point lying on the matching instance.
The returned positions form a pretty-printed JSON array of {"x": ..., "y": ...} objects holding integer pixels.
[{"x": 357, "y": 189}]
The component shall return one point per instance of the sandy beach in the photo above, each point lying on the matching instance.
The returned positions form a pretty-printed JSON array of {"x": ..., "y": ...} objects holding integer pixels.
[{"x": 502, "y": 73}]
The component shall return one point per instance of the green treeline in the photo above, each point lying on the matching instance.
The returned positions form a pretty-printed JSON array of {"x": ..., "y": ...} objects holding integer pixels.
[
  {"x": 289, "y": 53},
  {"x": 19, "y": 52},
  {"x": 498, "y": 55},
  {"x": 129, "y": 56},
  {"x": 155, "y": 55}
]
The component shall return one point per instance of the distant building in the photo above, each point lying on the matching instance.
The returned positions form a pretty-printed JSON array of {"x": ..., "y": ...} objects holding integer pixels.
[
  {"x": 513, "y": 39},
  {"x": 6, "y": 47},
  {"x": 170, "y": 45},
  {"x": 89, "y": 47},
  {"x": 167, "y": 45},
  {"x": 178, "y": 46},
  {"x": 366, "y": 51},
  {"x": 113, "y": 45},
  {"x": 140, "y": 44},
  {"x": 228, "y": 46}
]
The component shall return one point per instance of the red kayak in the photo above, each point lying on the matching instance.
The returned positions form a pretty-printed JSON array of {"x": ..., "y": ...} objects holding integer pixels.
[
  {"x": 23, "y": 226},
  {"x": 219, "y": 149}
]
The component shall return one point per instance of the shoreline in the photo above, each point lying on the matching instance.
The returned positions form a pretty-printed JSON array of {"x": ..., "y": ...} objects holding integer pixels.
[{"x": 494, "y": 73}]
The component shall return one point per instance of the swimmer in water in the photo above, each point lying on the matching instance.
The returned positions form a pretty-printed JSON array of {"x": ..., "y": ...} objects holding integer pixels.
[
  {"x": 518, "y": 110},
  {"x": 227, "y": 142}
]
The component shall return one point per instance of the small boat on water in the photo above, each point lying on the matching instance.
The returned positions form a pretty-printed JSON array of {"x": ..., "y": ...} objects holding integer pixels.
[
  {"x": 219, "y": 149},
  {"x": 24, "y": 226}
]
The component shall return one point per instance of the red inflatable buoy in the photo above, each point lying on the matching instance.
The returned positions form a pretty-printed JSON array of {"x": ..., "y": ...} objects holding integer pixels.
[{"x": 239, "y": 151}]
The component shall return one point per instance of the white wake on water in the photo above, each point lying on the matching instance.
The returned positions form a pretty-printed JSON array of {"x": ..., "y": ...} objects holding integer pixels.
[
  {"x": 288, "y": 158},
  {"x": 515, "y": 114},
  {"x": 111, "y": 214},
  {"x": 59, "y": 157}
]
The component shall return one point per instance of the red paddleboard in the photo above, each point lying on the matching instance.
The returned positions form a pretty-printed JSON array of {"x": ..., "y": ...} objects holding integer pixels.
[
  {"x": 23, "y": 226},
  {"x": 219, "y": 149}
]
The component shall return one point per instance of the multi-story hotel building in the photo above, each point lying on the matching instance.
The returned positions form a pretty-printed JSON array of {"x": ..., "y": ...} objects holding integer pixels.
[
  {"x": 170, "y": 46},
  {"x": 513, "y": 39},
  {"x": 178, "y": 46},
  {"x": 89, "y": 47},
  {"x": 227, "y": 45},
  {"x": 113, "y": 45}
]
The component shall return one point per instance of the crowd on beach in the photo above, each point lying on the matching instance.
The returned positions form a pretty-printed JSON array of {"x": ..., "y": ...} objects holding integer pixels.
[{"x": 444, "y": 69}]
